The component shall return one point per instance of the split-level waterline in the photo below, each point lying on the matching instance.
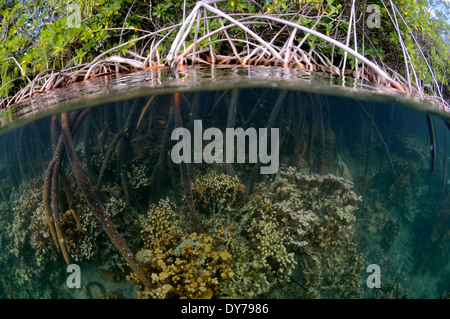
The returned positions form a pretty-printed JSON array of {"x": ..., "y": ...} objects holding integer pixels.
[{"x": 236, "y": 182}]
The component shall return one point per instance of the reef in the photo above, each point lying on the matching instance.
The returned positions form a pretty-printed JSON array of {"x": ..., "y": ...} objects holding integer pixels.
[
  {"x": 261, "y": 260},
  {"x": 318, "y": 213},
  {"x": 83, "y": 236},
  {"x": 401, "y": 218},
  {"x": 216, "y": 192},
  {"x": 391, "y": 290},
  {"x": 178, "y": 266},
  {"x": 30, "y": 251},
  {"x": 440, "y": 234},
  {"x": 21, "y": 237},
  {"x": 292, "y": 237}
]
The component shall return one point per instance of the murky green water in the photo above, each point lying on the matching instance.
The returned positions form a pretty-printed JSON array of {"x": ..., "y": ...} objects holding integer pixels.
[{"x": 356, "y": 199}]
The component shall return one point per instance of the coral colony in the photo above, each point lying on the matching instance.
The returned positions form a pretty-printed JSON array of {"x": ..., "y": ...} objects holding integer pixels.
[
  {"x": 276, "y": 241},
  {"x": 249, "y": 248},
  {"x": 214, "y": 151}
]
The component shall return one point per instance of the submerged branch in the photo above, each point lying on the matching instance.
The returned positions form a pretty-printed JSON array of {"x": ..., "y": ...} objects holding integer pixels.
[
  {"x": 379, "y": 136},
  {"x": 95, "y": 204}
]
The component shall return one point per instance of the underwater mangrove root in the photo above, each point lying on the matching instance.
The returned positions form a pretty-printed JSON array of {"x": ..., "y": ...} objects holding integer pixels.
[
  {"x": 231, "y": 124},
  {"x": 379, "y": 136},
  {"x": 369, "y": 147},
  {"x": 94, "y": 203},
  {"x": 273, "y": 117},
  {"x": 156, "y": 175},
  {"x": 256, "y": 108},
  {"x": 186, "y": 173},
  {"x": 432, "y": 143},
  {"x": 445, "y": 160},
  {"x": 122, "y": 140},
  {"x": 56, "y": 210},
  {"x": 50, "y": 185},
  {"x": 47, "y": 207},
  {"x": 318, "y": 110},
  {"x": 108, "y": 155}
]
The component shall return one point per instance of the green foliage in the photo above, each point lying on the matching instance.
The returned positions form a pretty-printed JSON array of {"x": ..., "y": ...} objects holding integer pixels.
[{"x": 37, "y": 35}]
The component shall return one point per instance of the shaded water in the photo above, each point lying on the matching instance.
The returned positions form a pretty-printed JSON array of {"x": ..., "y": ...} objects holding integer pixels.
[{"x": 353, "y": 188}]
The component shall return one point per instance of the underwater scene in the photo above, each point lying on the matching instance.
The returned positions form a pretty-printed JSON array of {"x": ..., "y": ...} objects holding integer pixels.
[{"x": 235, "y": 193}]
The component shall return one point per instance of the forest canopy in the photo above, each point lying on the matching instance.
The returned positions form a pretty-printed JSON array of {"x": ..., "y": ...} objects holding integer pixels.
[{"x": 48, "y": 44}]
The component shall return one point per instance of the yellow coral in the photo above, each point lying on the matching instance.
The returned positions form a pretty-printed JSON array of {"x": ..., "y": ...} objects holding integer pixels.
[
  {"x": 160, "y": 226},
  {"x": 179, "y": 267}
]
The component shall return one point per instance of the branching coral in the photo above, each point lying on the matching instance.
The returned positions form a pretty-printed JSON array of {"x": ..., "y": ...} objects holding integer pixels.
[
  {"x": 160, "y": 226},
  {"x": 215, "y": 192},
  {"x": 178, "y": 266},
  {"x": 317, "y": 211},
  {"x": 27, "y": 207},
  {"x": 140, "y": 172},
  {"x": 261, "y": 260},
  {"x": 84, "y": 238},
  {"x": 89, "y": 243},
  {"x": 21, "y": 228},
  {"x": 194, "y": 271},
  {"x": 296, "y": 225},
  {"x": 256, "y": 258}
]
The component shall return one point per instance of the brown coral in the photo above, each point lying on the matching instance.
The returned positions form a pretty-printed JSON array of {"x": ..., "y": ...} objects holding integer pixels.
[
  {"x": 195, "y": 272},
  {"x": 178, "y": 266}
]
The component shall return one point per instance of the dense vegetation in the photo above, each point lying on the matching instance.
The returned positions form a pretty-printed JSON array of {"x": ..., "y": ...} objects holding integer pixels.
[{"x": 40, "y": 40}]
